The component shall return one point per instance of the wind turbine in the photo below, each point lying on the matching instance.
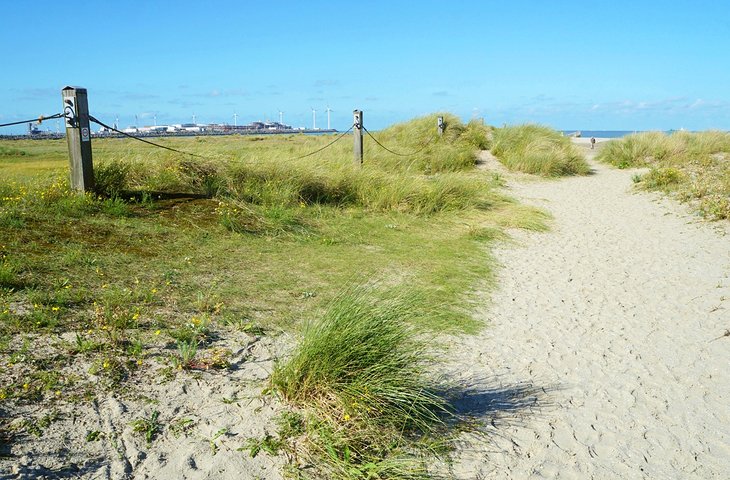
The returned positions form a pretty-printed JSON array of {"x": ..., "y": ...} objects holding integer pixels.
[
  {"x": 235, "y": 119},
  {"x": 116, "y": 122},
  {"x": 155, "y": 117},
  {"x": 314, "y": 119},
  {"x": 281, "y": 117},
  {"x": 193, "y": 119},
  {"x": 328, "y": 117}
]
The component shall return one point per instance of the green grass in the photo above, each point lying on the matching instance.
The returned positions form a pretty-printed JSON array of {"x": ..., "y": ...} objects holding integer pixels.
[
  {"x": 363, "y": 374},
  {"x": 537, "y": 150},
  {"x": 694, "y": 167},
  {"x": 171, "y": 252}
]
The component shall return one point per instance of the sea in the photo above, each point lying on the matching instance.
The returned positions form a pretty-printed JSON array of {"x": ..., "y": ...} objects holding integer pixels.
[{"x": 601, "y": 133}]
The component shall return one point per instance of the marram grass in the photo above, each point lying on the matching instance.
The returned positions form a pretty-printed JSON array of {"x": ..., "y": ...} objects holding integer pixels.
[
  {"x": 537, "y": 150},
  {"x": 364, "y": 372},
  {"x": 695, "y": 167}
]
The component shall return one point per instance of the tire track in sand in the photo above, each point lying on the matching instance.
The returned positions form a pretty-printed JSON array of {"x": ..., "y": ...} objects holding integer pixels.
[{"x": 614, "y": 312}]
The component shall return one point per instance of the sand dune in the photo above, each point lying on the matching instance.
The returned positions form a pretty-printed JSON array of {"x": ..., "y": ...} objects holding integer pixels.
[{"x": 609, "y": 329}]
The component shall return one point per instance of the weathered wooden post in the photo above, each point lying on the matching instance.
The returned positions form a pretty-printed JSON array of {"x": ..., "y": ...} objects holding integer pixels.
[
  {"x": 357, "y": 135},
  {"x": 440, "y": 125},
  {"x": 78, "y": 137}
]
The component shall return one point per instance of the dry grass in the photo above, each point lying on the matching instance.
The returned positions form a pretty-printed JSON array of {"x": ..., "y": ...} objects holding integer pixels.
[{"x": 694, "y": 167}]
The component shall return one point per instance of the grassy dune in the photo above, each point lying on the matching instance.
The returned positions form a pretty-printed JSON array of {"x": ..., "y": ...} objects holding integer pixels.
[
  {"x": 537, "y": 150},
  {"x": 173, "y": 251},
  {"x": 695, "y": 167}
]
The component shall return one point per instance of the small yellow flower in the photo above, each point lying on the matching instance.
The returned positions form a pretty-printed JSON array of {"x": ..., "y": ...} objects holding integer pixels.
[
  {"x": 26, "y": 386},
  {"x": 154, "y": 290},
  {"x": 346, "y": 417},
  {"x": 157, "y": 332},
  {"x": 89, "y": 331},
  {"x": 135, "y": 316},
  {"x": 139, "y": 362},
  {"x": 104, "y": 286},
  {"x": 58, "y": 393},
  {"x": 55, "y": 309},
  {"x": 106, "y": 364}
]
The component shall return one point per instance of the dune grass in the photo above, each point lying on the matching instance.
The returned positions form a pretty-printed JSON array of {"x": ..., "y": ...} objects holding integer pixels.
[
  {"x": 362, "y": 376},
  {"x": 537, "y": 150},
  {"x": 694, "y": 167}
]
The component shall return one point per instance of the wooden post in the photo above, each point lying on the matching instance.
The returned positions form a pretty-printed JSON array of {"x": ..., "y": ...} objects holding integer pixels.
[
  {"x": 78, "y": 137},
  {"x": 440, "y": 125},
  {"x": 357, "y": 135}
]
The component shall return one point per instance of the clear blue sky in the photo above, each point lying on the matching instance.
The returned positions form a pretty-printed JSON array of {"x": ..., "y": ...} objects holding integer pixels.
[{"x": 621, "y": 65}]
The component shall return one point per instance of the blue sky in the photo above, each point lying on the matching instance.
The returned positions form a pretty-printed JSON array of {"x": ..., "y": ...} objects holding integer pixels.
[{"x": 612, "y": 65}]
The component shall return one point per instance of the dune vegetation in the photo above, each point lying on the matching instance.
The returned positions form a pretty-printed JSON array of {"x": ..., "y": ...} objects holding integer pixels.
[
  {"x": 537, "y": 150},
  {"x": 694, "y": 167},
  {"x": 148, "y": 276}
]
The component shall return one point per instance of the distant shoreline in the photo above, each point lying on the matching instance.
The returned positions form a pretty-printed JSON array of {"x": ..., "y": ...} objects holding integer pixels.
[{"x": 55, "y": 136}]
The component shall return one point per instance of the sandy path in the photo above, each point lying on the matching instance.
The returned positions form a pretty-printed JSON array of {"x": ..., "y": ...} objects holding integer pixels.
[{"x": 614, "y": 314}]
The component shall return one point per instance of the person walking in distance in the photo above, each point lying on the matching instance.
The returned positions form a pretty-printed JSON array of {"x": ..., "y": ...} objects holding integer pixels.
[{"x": 593, "y": 142}]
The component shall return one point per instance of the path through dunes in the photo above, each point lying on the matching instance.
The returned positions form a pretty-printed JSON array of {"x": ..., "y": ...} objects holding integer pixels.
[{"x": 618, "y": 314}]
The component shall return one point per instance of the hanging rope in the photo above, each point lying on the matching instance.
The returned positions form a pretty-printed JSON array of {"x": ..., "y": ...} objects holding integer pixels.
[
  {"x": 98, "y": 122},
  {"x": 397, "y": 153},
  {"x": 39, "y": 120},
  {"x": 326, "y": 146}
]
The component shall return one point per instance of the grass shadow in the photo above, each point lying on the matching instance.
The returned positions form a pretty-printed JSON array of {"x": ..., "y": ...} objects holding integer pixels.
[{"x": 488, "y": 405}]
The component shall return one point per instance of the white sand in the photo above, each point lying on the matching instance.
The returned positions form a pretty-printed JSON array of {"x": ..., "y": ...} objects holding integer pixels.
[
  {"x": 221, "y": 410},
  {"x": 602, "y": 344}
]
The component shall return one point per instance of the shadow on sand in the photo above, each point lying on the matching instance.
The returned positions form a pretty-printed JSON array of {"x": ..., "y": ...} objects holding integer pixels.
[{"x": 491, "y": 406}]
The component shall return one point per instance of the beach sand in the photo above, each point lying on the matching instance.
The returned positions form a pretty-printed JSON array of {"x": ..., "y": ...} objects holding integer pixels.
[{"x": 603, "y": 355}]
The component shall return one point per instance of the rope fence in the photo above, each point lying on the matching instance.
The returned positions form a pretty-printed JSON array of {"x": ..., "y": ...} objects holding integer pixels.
[{"x": 78, "y": 133}]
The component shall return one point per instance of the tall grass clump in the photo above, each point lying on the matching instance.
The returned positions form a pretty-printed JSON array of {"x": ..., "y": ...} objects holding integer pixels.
[
  {"x": 537, "y": 150},
  {"x": 110, "y": 178},
  {"x": 363, "y": 371},
  {"x": 271, "y": 183},
  {"x": 456, "y": 150},
  {"x": 695, "y": 167}
]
